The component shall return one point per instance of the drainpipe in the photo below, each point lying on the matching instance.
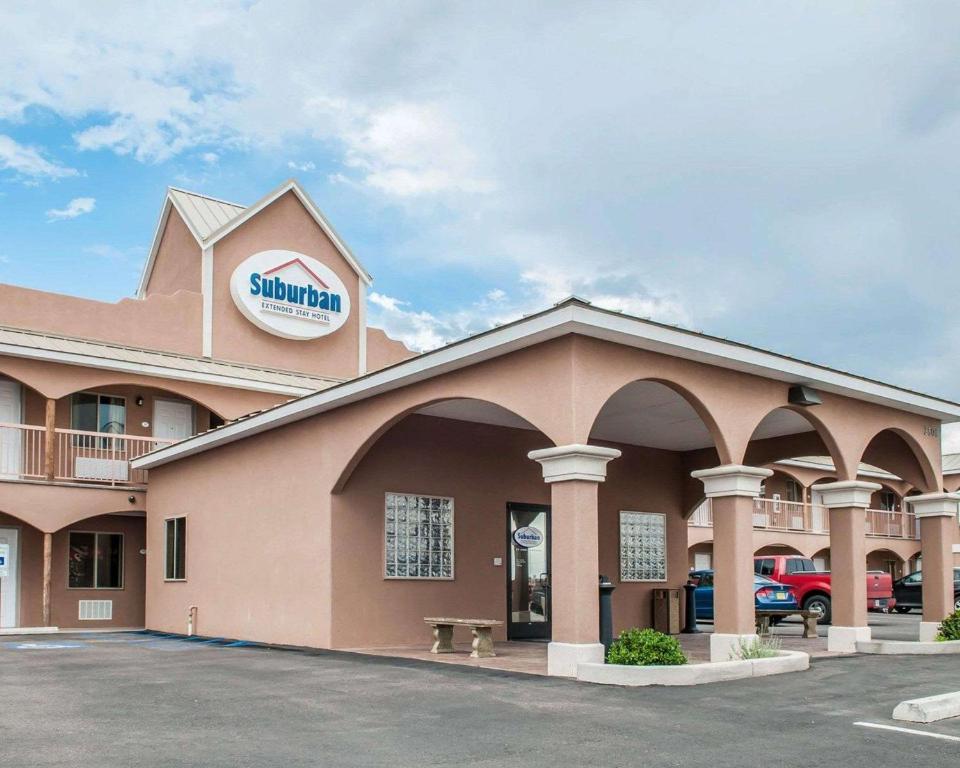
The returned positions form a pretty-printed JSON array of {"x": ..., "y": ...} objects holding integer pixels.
[{"x": 191, "y": 620}]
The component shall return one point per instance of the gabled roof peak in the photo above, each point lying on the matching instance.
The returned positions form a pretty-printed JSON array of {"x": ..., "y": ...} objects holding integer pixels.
[{"x": 210, "y": 219}]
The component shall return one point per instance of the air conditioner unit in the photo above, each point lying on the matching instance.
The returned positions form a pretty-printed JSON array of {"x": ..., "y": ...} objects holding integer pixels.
[{"x": 90, "y": 468}]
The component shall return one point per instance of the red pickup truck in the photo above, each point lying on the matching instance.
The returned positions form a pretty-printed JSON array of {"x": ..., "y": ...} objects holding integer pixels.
[{"x": 812, "y": 587}]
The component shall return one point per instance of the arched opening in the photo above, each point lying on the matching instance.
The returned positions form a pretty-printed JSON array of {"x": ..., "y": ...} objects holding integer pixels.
[
  {"x": 462, "y": 409},
  {"x": 897, "y": 452},
  {"x": 700, "y": 556},
  {"x": 886, "y": 561},
  {"x": 433, "y": 498},
  {"x": 777, "y": 549},
  {"x": 659, "y": 414},
  {"x": 98, "y": 572},
  {"x": 821, "y": 559},
  {"x": 791, "y": 433},
  {"x": 664, "y": 432}
]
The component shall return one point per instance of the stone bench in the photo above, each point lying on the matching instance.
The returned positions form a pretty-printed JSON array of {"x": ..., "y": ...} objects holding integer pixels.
[
  {"x": 482, "y": 635},
  {"x": 809, "y": 621}
]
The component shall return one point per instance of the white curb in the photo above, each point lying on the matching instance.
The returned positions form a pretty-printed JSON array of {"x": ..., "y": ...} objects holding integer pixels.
[
  {"x": 909, "y": 647},
  {"x": 929, "y": 709},
  {"x": 693, "y": 674}
]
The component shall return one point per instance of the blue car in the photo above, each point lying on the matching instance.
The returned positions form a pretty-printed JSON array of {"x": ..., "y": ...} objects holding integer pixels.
[{"x": 769, "y": 595}]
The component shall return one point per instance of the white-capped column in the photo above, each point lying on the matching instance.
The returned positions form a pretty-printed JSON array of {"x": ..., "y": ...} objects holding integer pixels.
[
  {"x": 731, "y": 489},
  {"x": 574, "y": 473},
  {"x": 937, "y": 513},
  {"x": 847, "y": 500}
]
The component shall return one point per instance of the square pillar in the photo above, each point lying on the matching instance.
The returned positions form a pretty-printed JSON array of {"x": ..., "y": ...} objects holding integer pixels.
[
  {"x": 846, "y": 501},
  {"x": 574, "y": 473},
  {"x": 732, "y": 489},
  {"x": 937, "y": 513}
]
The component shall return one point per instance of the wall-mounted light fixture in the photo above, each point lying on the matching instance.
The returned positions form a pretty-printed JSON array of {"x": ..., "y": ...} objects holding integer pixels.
[
  {"x": 139, "y": 400},
  {"x": 803, "y": 395}
]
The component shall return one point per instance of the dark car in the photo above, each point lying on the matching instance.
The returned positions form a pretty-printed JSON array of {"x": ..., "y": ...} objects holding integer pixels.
[
  {"x": 908, "y": 591},
  {"x": 769, "y": 595}
]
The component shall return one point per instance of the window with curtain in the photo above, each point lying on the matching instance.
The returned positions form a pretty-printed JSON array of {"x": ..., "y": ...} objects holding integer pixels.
[{"x": 95, "y": 560}]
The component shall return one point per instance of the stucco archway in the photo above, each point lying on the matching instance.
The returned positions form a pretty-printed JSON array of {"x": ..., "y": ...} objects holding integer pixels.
[
  {"x": 469, "y": 409},
  {"x": 789, "y": 431},
  {"x": 898, "y": 452}
]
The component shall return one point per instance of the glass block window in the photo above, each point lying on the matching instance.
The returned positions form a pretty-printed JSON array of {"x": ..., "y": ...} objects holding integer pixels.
[
  {"x": 643, "y": 546},
  {"x": 418, "y": 537}
]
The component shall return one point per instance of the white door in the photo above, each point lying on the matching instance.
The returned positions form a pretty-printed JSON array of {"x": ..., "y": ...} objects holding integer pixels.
[
  {"x": 10, "y": 445},
  {"x": 172, "y": 419},
  {"x": 8, "y": 577}
]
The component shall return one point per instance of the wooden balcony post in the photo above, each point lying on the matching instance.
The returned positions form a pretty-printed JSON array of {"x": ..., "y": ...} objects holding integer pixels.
[
  {"x": 50, "y": 439},
  {"x": 47, "y": 575}
]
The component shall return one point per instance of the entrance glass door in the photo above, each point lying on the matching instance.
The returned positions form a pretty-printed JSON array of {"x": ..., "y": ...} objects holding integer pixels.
[{"x": 528, "y": 577}]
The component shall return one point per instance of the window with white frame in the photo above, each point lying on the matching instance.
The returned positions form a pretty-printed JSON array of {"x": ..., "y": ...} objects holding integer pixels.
[
  {"x": 418, "y": 537},
  {"x": 643, "y": 546}
]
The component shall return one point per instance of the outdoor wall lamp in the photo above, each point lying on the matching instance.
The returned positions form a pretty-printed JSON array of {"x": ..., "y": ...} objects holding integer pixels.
[
  {"x": 802, "y": 395},
  {"x": 139, "y": 400}
]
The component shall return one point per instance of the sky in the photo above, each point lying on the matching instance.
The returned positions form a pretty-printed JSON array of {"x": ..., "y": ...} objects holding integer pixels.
[{"x": 782, "y": 174}]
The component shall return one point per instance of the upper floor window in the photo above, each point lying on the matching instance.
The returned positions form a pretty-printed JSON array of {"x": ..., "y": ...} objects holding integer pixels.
[
  {"x": 794, "y": 491},
  {"x": 96, "y": 560},
  {"x": 92, "y": 412}
]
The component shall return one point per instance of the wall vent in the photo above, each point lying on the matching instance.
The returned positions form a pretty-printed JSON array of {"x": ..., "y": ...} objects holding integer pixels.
[{"x": 96, "y": 610}]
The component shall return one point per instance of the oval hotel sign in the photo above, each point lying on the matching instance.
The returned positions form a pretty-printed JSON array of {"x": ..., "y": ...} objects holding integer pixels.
[
  {"x": 527, "y": 537},
  {"x": 290, "y": 295}
]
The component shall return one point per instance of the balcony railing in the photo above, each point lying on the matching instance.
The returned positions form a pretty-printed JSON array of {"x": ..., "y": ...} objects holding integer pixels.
[
  {"x": 779, "y": 515},
  {"x": 28, "y": 452}
]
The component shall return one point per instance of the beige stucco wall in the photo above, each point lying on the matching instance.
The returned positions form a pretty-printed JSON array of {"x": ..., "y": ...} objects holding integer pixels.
[
  {"x": 128, "y": 602},
  {"x": 266, "y": 499},
  {"x": 283, "y": 225},
  {"x": 258, "y": 541},
  {"x": 58, "y": 381},
  {"x": 165, "y": 322},
  {"x": 176, "y": 265}
]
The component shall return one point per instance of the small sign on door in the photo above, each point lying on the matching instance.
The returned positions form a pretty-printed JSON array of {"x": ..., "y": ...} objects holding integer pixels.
[{"x": 4, "y": 560}]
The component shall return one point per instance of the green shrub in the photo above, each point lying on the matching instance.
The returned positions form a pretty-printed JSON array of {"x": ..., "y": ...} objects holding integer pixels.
[
  {"x": 758, "y": 648},
  {"x": 644, "y": 648},
  {"x": 950, "y": 627}
]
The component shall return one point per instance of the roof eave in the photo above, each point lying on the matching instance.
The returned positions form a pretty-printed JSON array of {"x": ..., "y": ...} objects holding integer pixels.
[
  {"x": 292, "y": 185},
  {"x": 569, "y": 317}
]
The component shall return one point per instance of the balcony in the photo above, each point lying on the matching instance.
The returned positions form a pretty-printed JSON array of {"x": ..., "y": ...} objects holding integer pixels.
[
  {"x": 34, "y": 453},
  {"x": 797, "y": 517}
]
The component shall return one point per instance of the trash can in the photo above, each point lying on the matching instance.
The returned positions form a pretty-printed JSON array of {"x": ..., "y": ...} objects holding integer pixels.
[{"x": 666, "y": 611}]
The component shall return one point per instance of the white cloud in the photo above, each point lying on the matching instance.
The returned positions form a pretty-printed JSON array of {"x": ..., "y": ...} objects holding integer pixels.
[
  {"x": 76, "y": 207},
  {"x": 715, "y": 167},
  {"x": 29, "y": 161},
  {"x": 302, "y": 167},
  {"x": 411, "y": 149},
  {"x": 210, "y": 158}
]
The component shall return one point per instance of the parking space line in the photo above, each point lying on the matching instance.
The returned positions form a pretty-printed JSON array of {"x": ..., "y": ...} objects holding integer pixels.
[{"x": 897, "y": 728}]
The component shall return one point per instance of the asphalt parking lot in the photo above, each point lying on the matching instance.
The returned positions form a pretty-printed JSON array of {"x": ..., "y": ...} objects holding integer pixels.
[{"x": 144, "y": 700}]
